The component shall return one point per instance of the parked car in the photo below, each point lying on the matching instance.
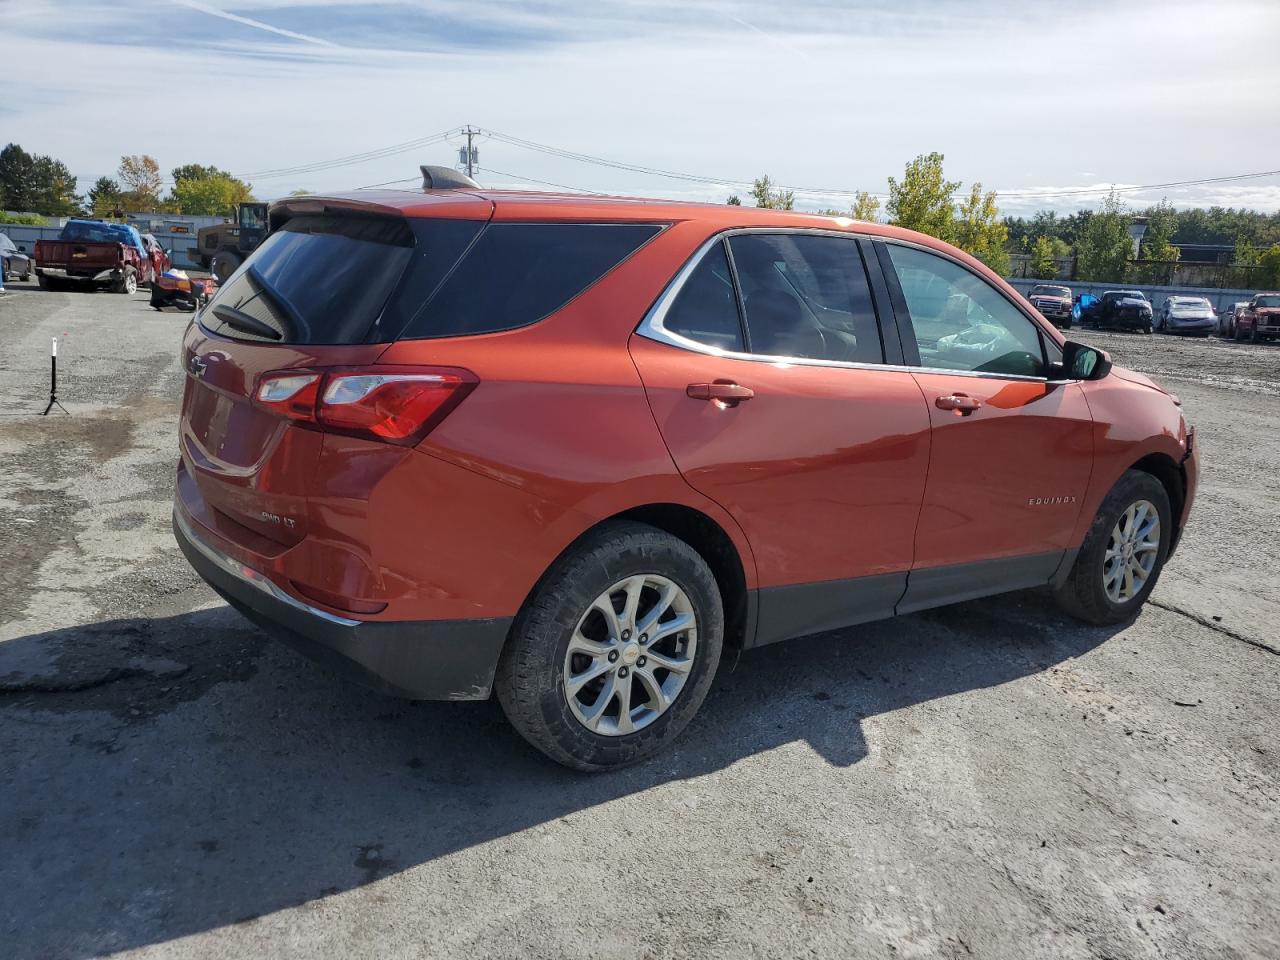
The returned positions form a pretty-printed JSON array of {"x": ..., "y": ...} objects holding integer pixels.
[
  {"x": 14, "y": 261},
  {"x": 1053, "y": 302},
  {"x": 1259, "y": 318},
  {"x": 1084, "y": 309},
  {"x": 1120, "y": 309},
  {"x": 157, "y": 254},
  {"x": 1187, "y": 315},
  {"x": 590, "y": 443},
  {"x": 94, "y": 253},
  {"x": 1227, "y": 319}
]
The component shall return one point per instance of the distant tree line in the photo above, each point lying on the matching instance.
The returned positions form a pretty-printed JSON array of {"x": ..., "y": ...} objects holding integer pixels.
[
  {"x": 30, "y": 183},
  {"x": 925, "y": 200}
]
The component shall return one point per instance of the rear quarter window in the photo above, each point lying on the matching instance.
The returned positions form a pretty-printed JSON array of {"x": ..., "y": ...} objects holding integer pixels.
[
  {"x": 519, "y": 273},
  {"x": 339, "y": 279}
]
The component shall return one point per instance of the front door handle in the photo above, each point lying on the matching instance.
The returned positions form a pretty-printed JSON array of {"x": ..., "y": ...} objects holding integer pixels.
[
  {"x": 725, "y": 392},
  {"x": 961, "y": 403}
]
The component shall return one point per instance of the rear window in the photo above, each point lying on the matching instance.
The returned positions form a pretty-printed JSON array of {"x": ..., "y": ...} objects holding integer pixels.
[
  {"x": 518, "y": 273},
  {"x": 337, "y": 279}
]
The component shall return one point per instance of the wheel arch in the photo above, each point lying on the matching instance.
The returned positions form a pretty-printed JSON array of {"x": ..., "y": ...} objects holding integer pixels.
[
  {"x": 1174, "y": 480},
  {"x": 713, "y": 543}
]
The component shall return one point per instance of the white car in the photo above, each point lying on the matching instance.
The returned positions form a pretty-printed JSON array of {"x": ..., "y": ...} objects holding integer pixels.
[{"x": 1187, "y": 315}]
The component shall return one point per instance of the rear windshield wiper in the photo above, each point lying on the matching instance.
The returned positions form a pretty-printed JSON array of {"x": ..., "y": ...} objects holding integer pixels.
[{"x": 245, "y": 323}]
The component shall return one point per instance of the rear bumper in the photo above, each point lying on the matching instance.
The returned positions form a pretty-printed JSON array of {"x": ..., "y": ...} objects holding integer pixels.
[
  {"x": 88, "y": 273},
  {"x": 420, "y": 660},
  {"x": 1191, "y": 326}
]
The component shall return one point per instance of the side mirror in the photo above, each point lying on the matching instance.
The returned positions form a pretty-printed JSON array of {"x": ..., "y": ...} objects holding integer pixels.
[
  {"x": 1084, "y": 363},
  {"x": 22, "y": 249}
]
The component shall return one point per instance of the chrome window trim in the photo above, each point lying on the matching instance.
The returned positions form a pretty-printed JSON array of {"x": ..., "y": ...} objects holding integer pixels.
[{"x": 653, "y": 328}]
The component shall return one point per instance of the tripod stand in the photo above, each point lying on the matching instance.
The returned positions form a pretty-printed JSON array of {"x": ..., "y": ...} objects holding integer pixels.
[{"x": 53, "y": 383}]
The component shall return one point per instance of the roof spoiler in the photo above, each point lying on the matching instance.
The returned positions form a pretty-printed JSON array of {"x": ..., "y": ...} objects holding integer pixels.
[{"x": 446, "y": 178}]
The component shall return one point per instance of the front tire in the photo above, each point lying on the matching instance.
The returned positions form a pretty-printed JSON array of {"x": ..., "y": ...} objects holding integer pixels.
[
  {"x": 615, "y": 651},
  {"x": 1122, "y": 554},
  {"x": 225, "y": 263}
]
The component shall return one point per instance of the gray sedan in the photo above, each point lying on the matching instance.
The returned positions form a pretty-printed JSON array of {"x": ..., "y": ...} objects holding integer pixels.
[
  {"x": 1187, "y": 315},
  {"x": 13, "y": 259}
]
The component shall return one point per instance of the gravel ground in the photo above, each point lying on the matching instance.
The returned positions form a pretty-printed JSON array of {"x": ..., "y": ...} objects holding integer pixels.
[{"x": 988, "y": 780}]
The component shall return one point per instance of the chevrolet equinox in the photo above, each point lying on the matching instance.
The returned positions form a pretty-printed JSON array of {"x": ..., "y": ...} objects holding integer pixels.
[{"x": 567, "y": 449}]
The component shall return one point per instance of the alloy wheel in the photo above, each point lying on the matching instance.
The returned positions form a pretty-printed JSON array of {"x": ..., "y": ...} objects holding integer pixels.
[
  {"x": 1131, "y": 551},
  {"x": 630, "y": 655}
]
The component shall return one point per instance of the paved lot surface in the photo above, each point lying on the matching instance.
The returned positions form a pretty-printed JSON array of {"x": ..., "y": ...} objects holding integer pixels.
[{"x": 988, "y": 780}]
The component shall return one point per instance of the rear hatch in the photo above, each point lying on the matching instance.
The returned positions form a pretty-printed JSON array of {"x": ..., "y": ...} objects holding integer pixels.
[{"x": 330, "y": 287}]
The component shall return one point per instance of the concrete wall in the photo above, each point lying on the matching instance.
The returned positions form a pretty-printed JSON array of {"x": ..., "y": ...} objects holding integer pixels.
[{"x": 1221, "y": 299}]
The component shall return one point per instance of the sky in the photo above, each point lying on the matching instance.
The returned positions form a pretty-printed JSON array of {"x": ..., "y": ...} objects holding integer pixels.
[{"x": 1047, "y": 103}]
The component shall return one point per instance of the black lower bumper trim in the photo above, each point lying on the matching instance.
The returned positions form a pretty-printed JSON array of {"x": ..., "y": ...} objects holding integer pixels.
[{"x": 420, "y": 660}]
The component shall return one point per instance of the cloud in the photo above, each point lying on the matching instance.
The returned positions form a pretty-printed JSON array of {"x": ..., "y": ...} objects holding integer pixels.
[
  {"x": 250, "y": 22},
  {"x": 663, "y": 84}
]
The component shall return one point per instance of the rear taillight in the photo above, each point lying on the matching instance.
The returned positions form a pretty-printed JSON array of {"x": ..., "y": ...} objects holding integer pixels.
[{"x": 392, "y": 404}]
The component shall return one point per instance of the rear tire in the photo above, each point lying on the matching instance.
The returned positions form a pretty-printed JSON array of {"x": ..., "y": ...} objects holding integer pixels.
[
  {"x": 126, "y": 283},
  {"x": 1085, "y": 593},
  {"x": 46, "y": 283},
  {"x": 537, "y": 664}
]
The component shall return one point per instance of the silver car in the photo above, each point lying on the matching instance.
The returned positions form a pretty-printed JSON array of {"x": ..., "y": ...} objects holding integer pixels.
[
  {"x": 1187, "y": 315},
  {"x": 1227, "y": 320}
]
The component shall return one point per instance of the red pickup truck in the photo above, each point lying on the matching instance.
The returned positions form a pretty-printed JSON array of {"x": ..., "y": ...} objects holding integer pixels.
[
  {"x": 94, "y": 253},
  {"x": 1259, "y": 319}
]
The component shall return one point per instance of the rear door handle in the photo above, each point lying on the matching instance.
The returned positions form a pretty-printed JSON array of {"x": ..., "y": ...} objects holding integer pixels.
[
  {"x": 725, "y": 391},
  {"x": 961, "y": 403}
]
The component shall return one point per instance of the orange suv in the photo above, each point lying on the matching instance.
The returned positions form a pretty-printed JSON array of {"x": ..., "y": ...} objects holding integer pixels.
[{"x": 569, "y": 449}]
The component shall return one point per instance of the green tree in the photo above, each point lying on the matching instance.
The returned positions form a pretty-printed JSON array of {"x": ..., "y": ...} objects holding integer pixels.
[
  {"x": 55, "y": 188},
  {"x": 980, "y": 232},
  {"x": 770, "y": 197},
  {"x": 36, "y": 183},
  {"x": 139, "y": 174},
  {"x": 206, "y": 191},
  {"x": 922, "y": 200},
  {"x": 1246, "y": 258},
  {"x": 1162, "y": 223},
  {"x": 17, "y": 179},
  {"x": 734, "y": 200},
  {"x": 865, "y": 206},
  {"x": 1269, "y": 263},
  {"x": 103, "y": 198},
  {"x": 1104, "y": 246},
  {"x": 1043, "y": 264}
]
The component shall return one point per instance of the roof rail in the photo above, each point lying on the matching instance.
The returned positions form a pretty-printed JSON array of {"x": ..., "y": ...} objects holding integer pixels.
[{"x": 445, "y": 178}]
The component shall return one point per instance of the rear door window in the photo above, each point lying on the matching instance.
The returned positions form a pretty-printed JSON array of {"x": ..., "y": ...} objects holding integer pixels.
[
  {"x": 806, "y": 296},
  {"x": 519, "y": 273},
  {"x": 337, "y": 279}
]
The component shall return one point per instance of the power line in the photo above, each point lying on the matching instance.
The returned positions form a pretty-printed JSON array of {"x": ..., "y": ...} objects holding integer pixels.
[
  {"x": 841, "y": 191},
  {"x": 561, "y": 153},
  {"x": 389, "y": 183},
  {"x": 1018, "y": 194},
  {"x": 545, "y": 183},
  {"x": 347, "y": 161}
]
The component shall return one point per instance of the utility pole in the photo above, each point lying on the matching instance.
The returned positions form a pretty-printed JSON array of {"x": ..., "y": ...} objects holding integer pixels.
[{"x": 469, "y": 153}]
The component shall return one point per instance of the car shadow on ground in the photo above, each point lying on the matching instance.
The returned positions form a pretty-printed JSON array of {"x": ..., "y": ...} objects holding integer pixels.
[{"x": 165, "y": 777}]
